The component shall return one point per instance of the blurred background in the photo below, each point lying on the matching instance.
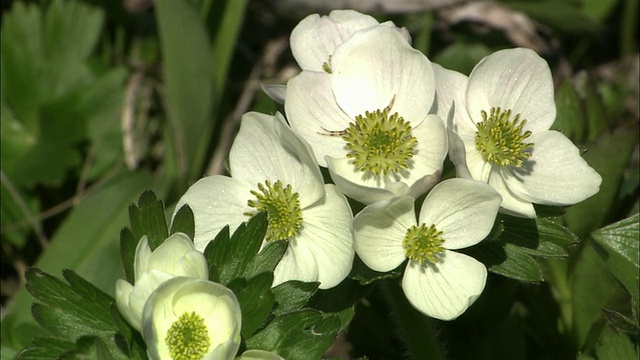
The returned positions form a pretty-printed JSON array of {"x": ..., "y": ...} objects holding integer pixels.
[{"x": 104, "y": 99}]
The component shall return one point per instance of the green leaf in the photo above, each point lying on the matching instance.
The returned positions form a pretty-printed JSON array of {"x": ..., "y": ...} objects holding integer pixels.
[
  {"x": 363, "y": 274},
  {"x": 292, "y": 296},
  {"x": 593, "y": 288},
  {"x": 256, "y": 300},
  {"x": 188, "y": 82},
  {"x": 539, "y": 237},
  {"x": 74, "y": 310},
  {"x": 462, "y": 56},
  {"x": 87, "y": 243},
  {"x": 302, "y": 335},
  {"x": 620, "y": 322},
  {"x": 45, "y": 348},
  {"x": 609, "y": 156},
  {"x": 267, "y": 259},
  {"x": 614, "y": 345},
  {"x": 230, "y": 257},
  {"x": 128, "y": 245},
  {"x": 183, "y": 222},
  {"x": 618, "y": 243},
  {"x": 566, "y": 15},
  {"x": 45, "y": 88},
  {"x": 147, "y": 218},
  {"x": 569, "y": 119}
]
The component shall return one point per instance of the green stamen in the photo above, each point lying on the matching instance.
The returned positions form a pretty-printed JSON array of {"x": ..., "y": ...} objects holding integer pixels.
[
  {"x": 188, "y": 337},
  {"x": 327, "y": 66},
  {"x": 380, "y": 143},
  {"x": 501, "y": 140},
  {"x": 422, "y": 243},
  {"x": 283, "y": 209}
]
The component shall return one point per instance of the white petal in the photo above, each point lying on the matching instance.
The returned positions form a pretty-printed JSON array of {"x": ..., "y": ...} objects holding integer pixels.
[
  {"x": 451, "y": 88},
  {"x": 378, "y": 232},
  {"x": 266, "y": 149},
  {"x": 512, "y": 204},
  {"x": 457, "y": 154},
  {"x": 363, "y": 187},
  {"x": 464, "y": 210},
  {"x": 166, "y": 257},
  {"x": 313, "y": 112},
  {"x": 516, "y": 79},
  {"x": 123, "y": 293},
  {"x": 297, "y": 263},
  {"x": 429, "y": 155},
  {"x": 141, "y": 260},
  {"x": 315, "y": 38},
  {"x": 276, "y": 92},
  {"x": 258, "y": 355},
  {"x": 479, "y": 168},
  {"x": 444, "y": 291},
  {"x": 377, "y": 68},
  {"x": 326, "y": 232},
  {"x": 555, "y": 174},
  {"x": 216, "y": 201}
]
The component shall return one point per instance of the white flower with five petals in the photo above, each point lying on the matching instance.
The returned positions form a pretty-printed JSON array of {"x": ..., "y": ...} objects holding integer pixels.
[
  {"x": 316, "y": 37},
  {"x": 438, "y": 281},
  {"x": 367, "y": 116},
  {"x": 500, "y": 133},
  {"x": 274, "y": 170}
]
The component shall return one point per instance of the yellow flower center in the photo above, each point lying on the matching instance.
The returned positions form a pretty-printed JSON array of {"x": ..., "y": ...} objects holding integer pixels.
[
  {"x": 188, "y": 337},
  {"x": 500, "y": 140},
  {"x": 422, "y": 243},
  {"x": 380, "y": 143},
  {"x": 283, "y": 209}
]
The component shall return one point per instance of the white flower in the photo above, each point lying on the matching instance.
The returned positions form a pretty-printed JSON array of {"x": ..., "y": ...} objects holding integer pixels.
[
  {"x": 259, "y": 355},
  {"x": 187, "y": 318},
  {"x": 438, "y": 281},
  {"x": 176, "y": 256},
  {"x": 315, "y": 38},
  {"x": 366, "y": 116},
  {"x": 502, "y": 115},
  {"x": 274, "y": 170}
]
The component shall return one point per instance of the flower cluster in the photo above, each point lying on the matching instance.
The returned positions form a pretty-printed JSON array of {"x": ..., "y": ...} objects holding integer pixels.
[{"x": 382, "y": 119}]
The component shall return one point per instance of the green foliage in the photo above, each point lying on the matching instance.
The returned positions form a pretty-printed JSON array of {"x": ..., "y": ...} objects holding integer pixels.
[
  {"x": 514, "y": 244},
  {"x": 618, "y": 245},
  {"x": 52, "y": 98},
  {"x": 76, "y": 315}
]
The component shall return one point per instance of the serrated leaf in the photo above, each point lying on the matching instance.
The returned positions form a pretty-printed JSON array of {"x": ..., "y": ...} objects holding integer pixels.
[
  {"x": 267, "y": 259},
  {"x": 507, "y": 260},
  {"x": 292, "y": 296},
  {"x": 183, "y": 222},
  {"x": 619, "y": 247},
  {"x": 296, "y": 335},
  {"x": 539, "y": 237},
  {"x": 147, "y": 218},
  {"x": 229, "y": 257},
  {"x": 128, "y": 245},
  {"x": 45, "y": 348},
  {"x": 256, "y": 300},
  {"x": 620, "y": 322},
  {"x": 55, "y": 294},
  {"x": 86, "y": 242},
  {"x": 74, "y": 310}
]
